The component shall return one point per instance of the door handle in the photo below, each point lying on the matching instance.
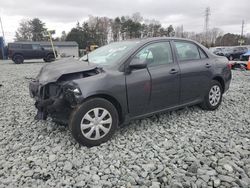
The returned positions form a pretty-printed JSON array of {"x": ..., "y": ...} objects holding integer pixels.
[
  {"x": 207, "y": 65},
  {"x": 173, "y": 71}
]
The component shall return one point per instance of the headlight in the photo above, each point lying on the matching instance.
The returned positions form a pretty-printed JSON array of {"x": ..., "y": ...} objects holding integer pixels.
[
  {"x": 77, "y": 91},
  {"x": 71, "y": 94},
  {"x": 72, "y": 89}
]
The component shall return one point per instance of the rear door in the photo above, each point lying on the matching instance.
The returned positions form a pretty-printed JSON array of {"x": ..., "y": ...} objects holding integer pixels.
[
  {"x": 27, "y": 51},
  {"x": 196, "y": 71},
  {"x": 37, "y": 51}
]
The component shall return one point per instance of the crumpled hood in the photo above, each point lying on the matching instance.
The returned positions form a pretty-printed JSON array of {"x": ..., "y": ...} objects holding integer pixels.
[{"x": 53, "y": 71}]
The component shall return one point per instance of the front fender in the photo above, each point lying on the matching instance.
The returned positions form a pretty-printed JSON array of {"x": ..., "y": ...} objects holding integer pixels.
[{"x": 104, "y": 84}]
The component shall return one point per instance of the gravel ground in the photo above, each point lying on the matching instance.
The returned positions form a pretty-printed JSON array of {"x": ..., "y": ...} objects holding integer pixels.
[{"x": 184, "y": 148}]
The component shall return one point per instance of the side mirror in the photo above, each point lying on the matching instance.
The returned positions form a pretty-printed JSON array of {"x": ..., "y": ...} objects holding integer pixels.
[
  {"x": 42, "y": 48},
  {"x": 137, "y": 64}
]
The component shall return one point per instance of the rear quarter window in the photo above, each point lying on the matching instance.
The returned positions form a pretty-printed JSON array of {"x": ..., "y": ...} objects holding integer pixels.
[{"x": 15, "y": 46}]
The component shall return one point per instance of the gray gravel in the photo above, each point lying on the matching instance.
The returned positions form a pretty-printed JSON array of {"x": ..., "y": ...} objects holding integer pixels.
[{"x": 184, "y": 148}]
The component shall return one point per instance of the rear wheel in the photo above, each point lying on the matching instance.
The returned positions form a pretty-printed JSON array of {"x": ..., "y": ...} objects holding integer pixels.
[
  {"x": 94, "y": 122},
  {"x": 18, "y": 59},
  {"x": 49, "y": 58},
  {"x": 213, "y": 98}
]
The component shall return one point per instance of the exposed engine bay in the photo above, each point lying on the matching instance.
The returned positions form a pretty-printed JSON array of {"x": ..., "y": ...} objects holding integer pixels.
[{"x": 60, "y": 97}]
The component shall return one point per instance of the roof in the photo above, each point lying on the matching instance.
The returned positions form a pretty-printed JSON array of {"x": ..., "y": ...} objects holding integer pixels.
[
  {"x": 47, "y": 43},
  {"x": 158, "y": 38}
]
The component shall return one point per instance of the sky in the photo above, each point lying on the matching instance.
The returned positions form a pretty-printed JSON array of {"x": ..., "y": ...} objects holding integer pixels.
[{"x": 62, "y": 15}]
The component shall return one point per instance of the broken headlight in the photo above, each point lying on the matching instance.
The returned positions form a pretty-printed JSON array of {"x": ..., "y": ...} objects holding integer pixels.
[{"x": 71, "y": 93}]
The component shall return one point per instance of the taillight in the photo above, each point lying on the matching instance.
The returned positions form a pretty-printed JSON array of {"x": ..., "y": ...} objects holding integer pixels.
[
  {"x": 229, "y": 66},
  {"x": 10, "y": 53}
]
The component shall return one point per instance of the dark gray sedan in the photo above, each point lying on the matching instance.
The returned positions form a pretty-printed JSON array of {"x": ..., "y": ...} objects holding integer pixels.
[{"x": 128, "y": 80}]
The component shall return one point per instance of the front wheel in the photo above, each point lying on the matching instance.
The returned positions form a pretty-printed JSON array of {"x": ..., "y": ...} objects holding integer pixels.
[
  {"x": 94, "y": 122},
  {"x": 49, "y": 58},
  {"x": 213, "y": 98}
]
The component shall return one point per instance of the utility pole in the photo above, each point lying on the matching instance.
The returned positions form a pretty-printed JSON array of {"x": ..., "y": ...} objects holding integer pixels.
[
  {"x": 242, "y": 28},
  {"x": 241, "y": 41},
  {"x": 207, "y": 15},
  {"x": 2, "y": 27},
  {"x": 51, "y": 42},
  {"x": 3, "y": 38},
  {"x": 182, "y": 32}
]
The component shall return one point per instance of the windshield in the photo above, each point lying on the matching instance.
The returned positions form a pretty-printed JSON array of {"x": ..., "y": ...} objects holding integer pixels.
[{"x": 111, "y": 53}]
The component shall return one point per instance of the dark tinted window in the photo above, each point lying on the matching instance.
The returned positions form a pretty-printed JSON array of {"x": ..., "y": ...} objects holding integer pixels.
[
  {"x": 156, "y": 54},
  {"x": 15, "y": 46},
  {"x": 26, "y": 46},
  {"x": 187, "y": 51},
  {"x": 36, "y": 47}
]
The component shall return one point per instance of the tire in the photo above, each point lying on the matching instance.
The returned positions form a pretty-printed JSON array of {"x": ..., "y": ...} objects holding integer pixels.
[
  {"x": 18, "y": 59},
  {"x": 213, "y": 98},
  {"x": 84, "y": 125},
  {"x": 49, "y": 58}
]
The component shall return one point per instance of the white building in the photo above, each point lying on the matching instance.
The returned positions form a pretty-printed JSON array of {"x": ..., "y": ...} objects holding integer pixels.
[{"x": 63, "y": 48}]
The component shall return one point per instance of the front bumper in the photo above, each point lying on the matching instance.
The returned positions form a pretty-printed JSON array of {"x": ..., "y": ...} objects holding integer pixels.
[
  {"x": 35, "y": 91},
  {"x": 34, "y": 88},
  {"x": 58, "y": 105}
]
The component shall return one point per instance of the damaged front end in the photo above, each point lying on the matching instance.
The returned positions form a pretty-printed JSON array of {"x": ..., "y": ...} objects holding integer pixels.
[
  {"x": 55, "y": 99},
  {"x": 58, "y": 98}
]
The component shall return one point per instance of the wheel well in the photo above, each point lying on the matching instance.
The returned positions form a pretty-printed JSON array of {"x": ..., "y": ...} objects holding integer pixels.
[
  {"x": 16, "y": 55},
  {"x": 219, "y": 79},
  {"x": 49, "y": 54},
  {"x": 113, "y": 101}
]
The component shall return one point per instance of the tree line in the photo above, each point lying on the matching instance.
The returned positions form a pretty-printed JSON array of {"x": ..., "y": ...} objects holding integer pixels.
[{"x": 102, "y": 30}]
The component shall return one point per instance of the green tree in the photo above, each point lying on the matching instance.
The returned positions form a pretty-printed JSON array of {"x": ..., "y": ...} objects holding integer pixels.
[
  {"x": 31, "y": 30},
  {"x": 24, "y": 33},
  {"x": 228, "y": 39},
  {"x": 116, "y": 28},
  {"x": 81, "y": 35},
  {"x": 170, "y": 31},
  {"x": 63, "y": 36},
  {"x": 38, "y": 30}
]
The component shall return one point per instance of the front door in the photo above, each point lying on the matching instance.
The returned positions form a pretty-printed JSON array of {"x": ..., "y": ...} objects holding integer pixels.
[
  {"x": 157, "y": 86},
  {"x": 165, "y": 77}
]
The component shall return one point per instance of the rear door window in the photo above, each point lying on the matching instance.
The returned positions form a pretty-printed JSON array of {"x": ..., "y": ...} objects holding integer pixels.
[
  {"x": 187, "y": 51},
  {"x": 26, "y": 46},
  {"x": 14, "y": 46}
]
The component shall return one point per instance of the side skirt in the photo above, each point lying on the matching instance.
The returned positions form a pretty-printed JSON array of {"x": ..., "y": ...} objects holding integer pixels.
[{"x": 128, "y": 118}]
